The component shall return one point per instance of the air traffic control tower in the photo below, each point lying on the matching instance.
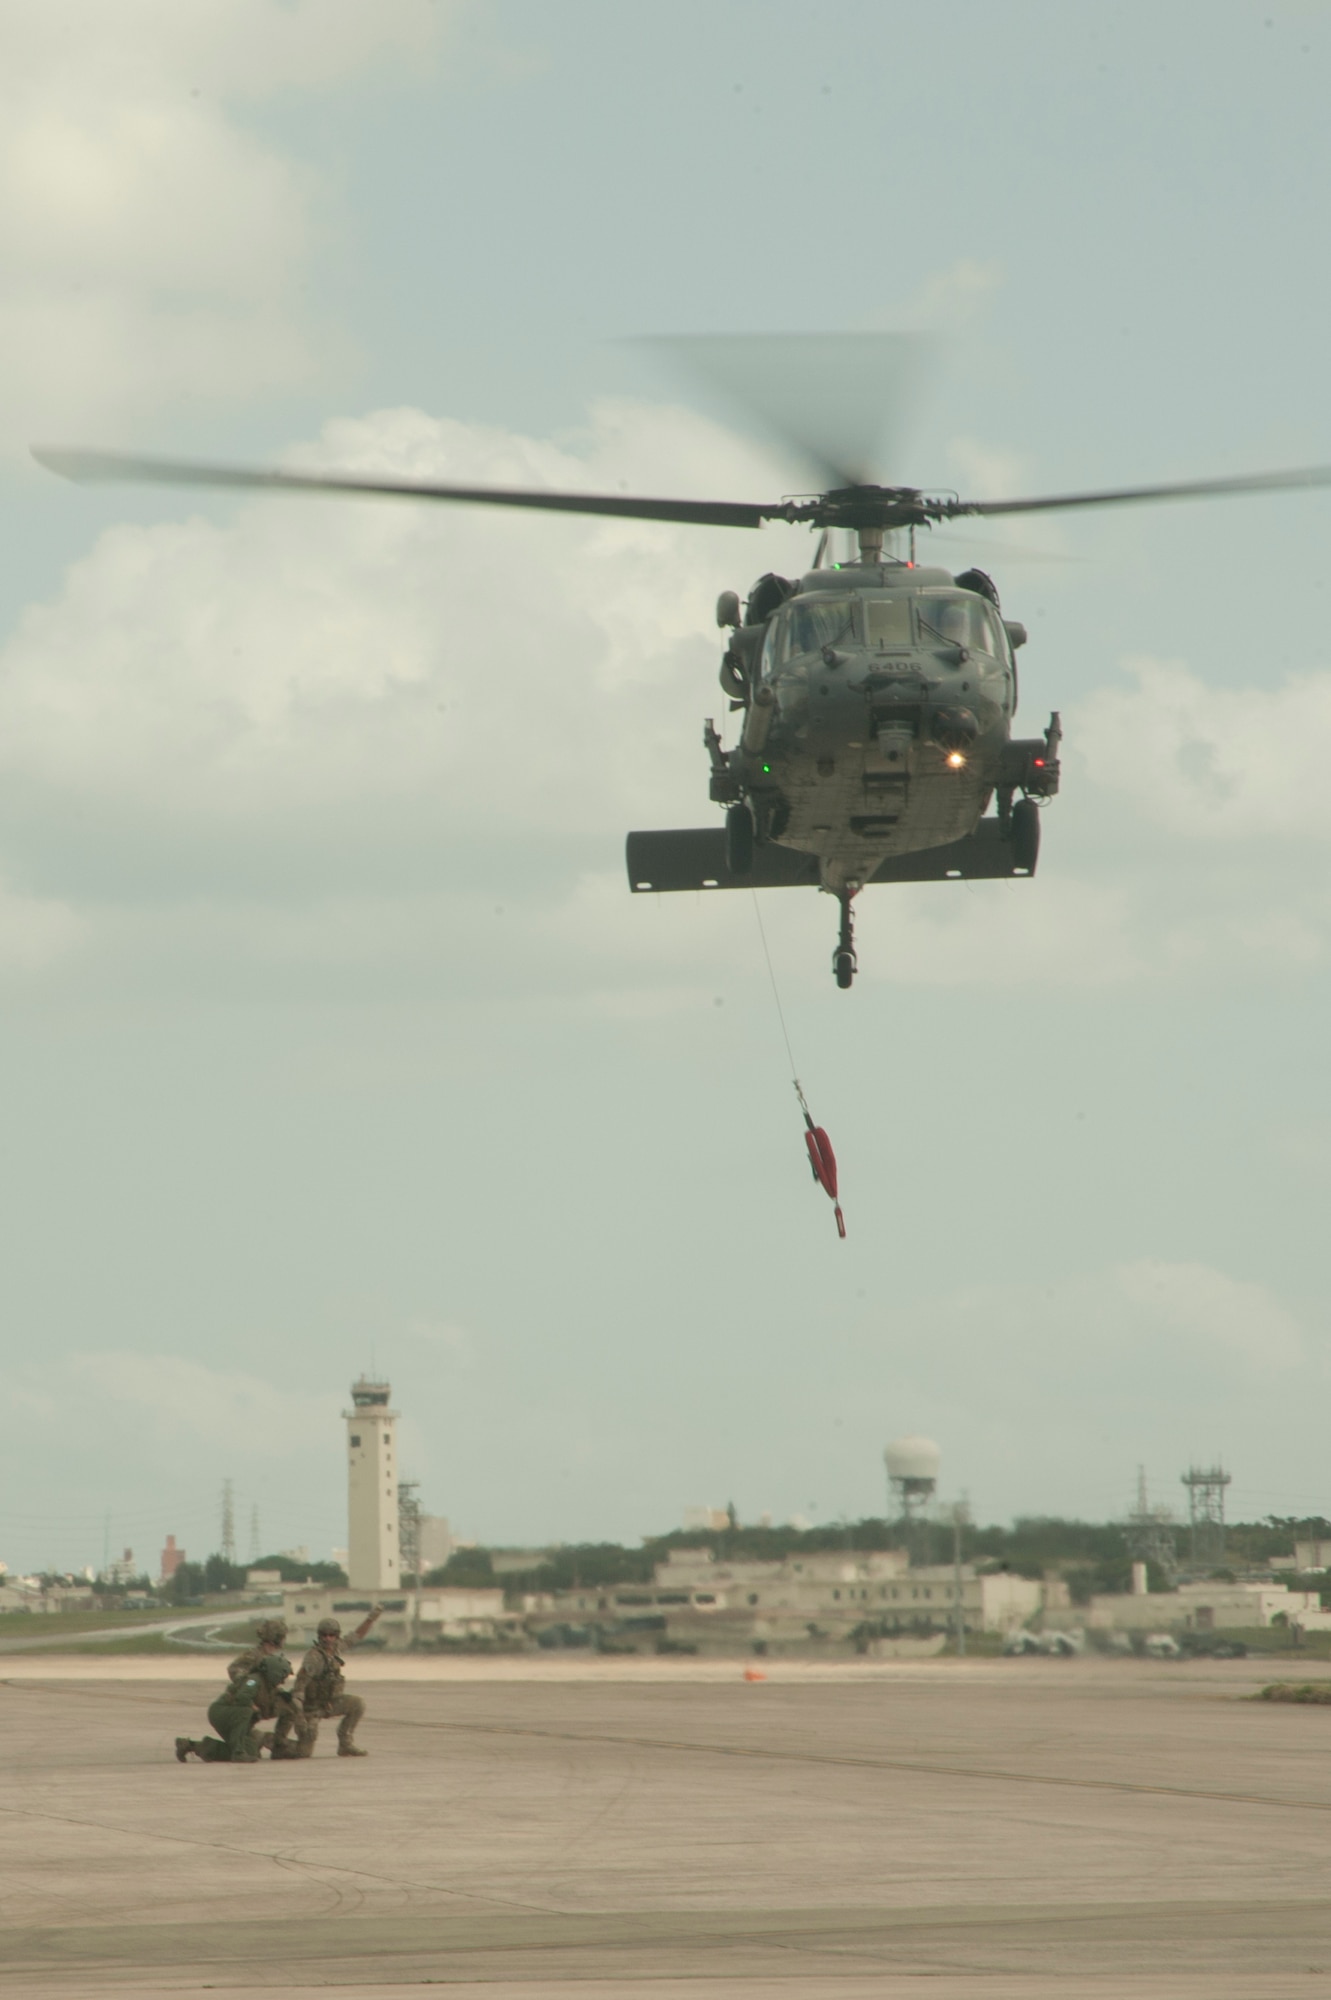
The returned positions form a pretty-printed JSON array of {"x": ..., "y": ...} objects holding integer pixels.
[{"x": 373, "y": 1558}]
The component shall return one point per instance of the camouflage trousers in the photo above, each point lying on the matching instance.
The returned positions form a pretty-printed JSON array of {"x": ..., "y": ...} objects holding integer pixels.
[
  {"x": 349, "y": 1707},
  {"x": 235, "y": 1741}
]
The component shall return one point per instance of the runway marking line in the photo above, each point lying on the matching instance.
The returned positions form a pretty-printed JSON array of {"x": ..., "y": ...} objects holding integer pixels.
[
  {"x": 866, "y": 1763},
  {"x": 1125, "y": 1785}
]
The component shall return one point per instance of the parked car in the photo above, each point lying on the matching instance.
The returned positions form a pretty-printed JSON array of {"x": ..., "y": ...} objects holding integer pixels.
[
  {"x": 1065, "y": 1645},
  {"x": 1212, "y": 1646},
  {"x": 1060, "y": 1645},
  {"x": 1015, "y": 1643}
]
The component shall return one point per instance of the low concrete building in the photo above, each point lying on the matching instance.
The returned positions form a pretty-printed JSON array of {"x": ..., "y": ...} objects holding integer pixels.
[
  {"x": 807, "y": 1600},
  {"x": 26, "y": 1593},
  {"x": 1312, "y": 1621},
  {"x": 1203, "y": 1607},
  {"x": 435, "y": 1542},
  {"x": 411, "y": 1617}
]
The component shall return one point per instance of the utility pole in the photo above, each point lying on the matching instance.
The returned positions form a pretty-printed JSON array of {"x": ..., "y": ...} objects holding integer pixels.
[
  {"x": 228, "y": 1522},
  {"x": 1206, "y": 1514},
  {"x": 254, "y": 1532},
  {"x": 409, "y": 1547},
  {"x": 960, "y": 1517},
  {"x": 1149, "y": 1533},
  {"x": 409, "y": 1529}
]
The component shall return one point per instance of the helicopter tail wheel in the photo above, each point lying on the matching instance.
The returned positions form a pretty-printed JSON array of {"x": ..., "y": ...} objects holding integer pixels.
[
  {"x": 739, "y": 840},
  {"x": 1025, "y": 835},
  {"x": 844, "y": 964}
]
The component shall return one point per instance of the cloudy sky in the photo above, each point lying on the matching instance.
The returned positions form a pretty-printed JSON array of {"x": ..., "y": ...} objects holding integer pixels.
[{"x": 331, "y": 1035}]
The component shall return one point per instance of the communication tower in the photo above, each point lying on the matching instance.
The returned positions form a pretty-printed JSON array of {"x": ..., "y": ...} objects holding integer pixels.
[
  {"x": 1206, "y": 1514},
  {"x": 374, "y": 1558},
  {"x": 409, "y": 1527},
  {"x": 1149, "y": 1533},
  {"x": 228, "y": 1522},
  {"x": 912, "y": 1481}
]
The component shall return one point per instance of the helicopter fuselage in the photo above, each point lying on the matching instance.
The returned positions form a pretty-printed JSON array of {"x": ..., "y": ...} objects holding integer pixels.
[{"x": 878, "y": 705}]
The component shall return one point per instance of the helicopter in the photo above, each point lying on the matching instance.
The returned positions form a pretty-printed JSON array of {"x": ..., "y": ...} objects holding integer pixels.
[{"x": 878, "y": 695}]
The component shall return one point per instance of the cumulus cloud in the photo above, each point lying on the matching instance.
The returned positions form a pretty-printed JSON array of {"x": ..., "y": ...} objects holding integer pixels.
[
  {"x": 1221, "y": 1312},
  {"x": 151, "y": 243},
  {"x": 36, "y": 932},
  {"x": 153, "y": 1435},
  {"x": 957, "y": 294},
  {"x": 506, "y": 671},
  {"x": 313, "y": 734},
  {"x": 1055, "y": 930},
  {"x": 1095, "y": 1331},
  {"x": 444, "y": 1338},
  {"x": 1209, "y": 763},
  {"x": 187, "y": 1404}
]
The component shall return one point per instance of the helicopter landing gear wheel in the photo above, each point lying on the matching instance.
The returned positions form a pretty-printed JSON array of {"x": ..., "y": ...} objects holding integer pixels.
[
  {"x": 739, "y": 840},
  {"x": 844, "y": 964},
  {"x": 1025, "y": 834}
]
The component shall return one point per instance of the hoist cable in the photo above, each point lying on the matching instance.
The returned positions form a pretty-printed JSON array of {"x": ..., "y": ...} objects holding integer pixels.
[
  {"x": 780, "y": 1011},
  {"x": 822, "y": 1159}
]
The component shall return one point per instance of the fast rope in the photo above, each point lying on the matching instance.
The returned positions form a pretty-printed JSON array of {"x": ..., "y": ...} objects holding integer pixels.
[{"x": 822, "y": 1159}]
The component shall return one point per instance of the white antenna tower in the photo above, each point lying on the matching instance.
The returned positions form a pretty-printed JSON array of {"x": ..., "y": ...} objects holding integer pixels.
[
  {"x": 228, "y": 1522},
  {"x": 912, "y": 1480}
]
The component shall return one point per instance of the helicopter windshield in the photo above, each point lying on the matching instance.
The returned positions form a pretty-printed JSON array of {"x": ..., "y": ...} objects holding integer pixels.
[
  {"x": 959, "y": 621},
  {"x": 887, "y": 621},
  {"x": 814, "y": 622}
]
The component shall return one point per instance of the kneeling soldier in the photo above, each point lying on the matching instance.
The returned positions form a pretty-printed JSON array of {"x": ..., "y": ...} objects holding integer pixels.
[
  {"x": 253, "y": 1692},
  {"x": 320, "y": 1690},
  {"x": 270, "y": 1702}
]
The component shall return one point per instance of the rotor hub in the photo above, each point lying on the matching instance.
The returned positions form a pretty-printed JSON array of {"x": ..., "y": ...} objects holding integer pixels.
[{"x": 857, "y": 507}]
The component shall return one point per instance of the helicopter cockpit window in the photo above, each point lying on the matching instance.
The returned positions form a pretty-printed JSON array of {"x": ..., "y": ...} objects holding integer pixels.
[
  {"x": 959, "y": 621},
  {"x": 814, "y": 622},
  {"x": 887, "y": 621}
]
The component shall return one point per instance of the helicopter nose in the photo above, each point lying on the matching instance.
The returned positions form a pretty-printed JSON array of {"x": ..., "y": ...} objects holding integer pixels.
[{"x": 954, "y": 728}]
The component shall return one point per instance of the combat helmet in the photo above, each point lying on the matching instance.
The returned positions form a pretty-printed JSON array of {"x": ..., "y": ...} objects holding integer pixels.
[
  {"x": 271, "y": 1631},
  {"x": 330, "y": 1628}
]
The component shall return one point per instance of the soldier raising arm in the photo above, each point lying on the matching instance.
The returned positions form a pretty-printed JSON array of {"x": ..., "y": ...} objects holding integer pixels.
[{"x": 321, "y": 1690}]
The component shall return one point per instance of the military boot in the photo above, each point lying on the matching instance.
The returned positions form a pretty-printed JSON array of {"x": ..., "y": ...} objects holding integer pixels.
[{"x": 351, "y": 1750}]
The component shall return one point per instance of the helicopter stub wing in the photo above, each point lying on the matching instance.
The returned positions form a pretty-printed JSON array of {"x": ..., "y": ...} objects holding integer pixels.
[{"x": 695, "y": 858}]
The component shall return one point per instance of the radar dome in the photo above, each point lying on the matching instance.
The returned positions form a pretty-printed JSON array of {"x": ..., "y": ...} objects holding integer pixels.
[{"x": 913, "y": 1458}]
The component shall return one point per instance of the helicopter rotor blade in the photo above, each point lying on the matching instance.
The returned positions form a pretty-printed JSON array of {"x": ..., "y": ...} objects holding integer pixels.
[
  {"x": 843, "y": 400},
  {"x": 1009, "y": 552},
  {"x": 107, "y": 467},
  {"x": 1185, "y": 489}
]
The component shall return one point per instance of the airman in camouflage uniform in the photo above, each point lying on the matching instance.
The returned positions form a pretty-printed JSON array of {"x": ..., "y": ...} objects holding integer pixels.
[
  {"x": 253, "y": 1693},
  {"x": 270, "y": 1636},
  {"x": 270, "y": 1702},
  {"x": 320, "y": 1691}
]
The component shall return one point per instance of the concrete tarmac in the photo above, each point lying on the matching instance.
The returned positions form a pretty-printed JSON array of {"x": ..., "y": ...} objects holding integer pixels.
[{"x": 665, "y": 1830}]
